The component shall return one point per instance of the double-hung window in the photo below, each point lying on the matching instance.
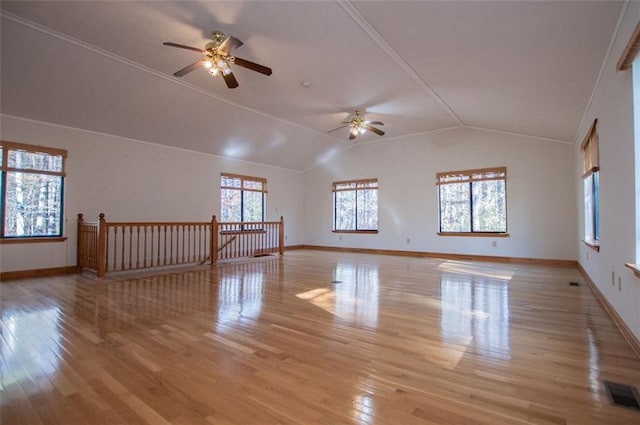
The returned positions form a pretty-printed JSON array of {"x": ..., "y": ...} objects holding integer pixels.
[
  {"x": 242, "y": 198},
  {"x": 355, "y": 206},
  {"x": 473, "y": 202},
  {"x": 31, "y": 191},
  {"x": 591, "y": 184}
]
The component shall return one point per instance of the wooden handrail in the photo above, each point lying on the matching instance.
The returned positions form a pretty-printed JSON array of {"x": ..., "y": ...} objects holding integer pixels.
[{"x": 127, "y": 245}]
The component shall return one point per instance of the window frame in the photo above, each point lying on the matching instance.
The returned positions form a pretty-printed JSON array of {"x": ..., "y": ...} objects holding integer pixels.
[
  {"x": 242, "y": 189},
  {"x": 359, "y": 185},
  {"x": 472, "y": 176},
  {"x": 591, "y": 194},
  {"x": 5, "y": 169}
]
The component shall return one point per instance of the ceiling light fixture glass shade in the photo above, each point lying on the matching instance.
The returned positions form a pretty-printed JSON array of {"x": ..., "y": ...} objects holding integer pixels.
[
  {"x": 216, "y": 64},
  {"x": 357, "y": 127}
]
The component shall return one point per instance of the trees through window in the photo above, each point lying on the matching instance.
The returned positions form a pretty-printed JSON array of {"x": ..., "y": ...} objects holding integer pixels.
[
  {"x": 473, "y": 201},
  {"x": 242, "y": 198},
  {"x": 355, "y": 205},
  {"x": 31, "y": 190}
]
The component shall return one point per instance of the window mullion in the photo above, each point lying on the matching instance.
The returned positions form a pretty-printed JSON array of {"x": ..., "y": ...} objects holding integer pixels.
[{"x": 471, "y": 206}]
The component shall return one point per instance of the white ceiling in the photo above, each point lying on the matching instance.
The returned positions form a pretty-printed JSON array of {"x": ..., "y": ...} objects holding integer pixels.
[{"x": 526, "y": 67}]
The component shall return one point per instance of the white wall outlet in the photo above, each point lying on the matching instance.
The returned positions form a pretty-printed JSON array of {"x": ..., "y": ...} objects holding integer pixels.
[
  {"x": 494, "y": 244},
  {"x": 408, "y": 240}
]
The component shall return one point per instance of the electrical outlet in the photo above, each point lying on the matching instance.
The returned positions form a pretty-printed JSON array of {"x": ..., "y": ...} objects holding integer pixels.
[
  {"x": 408, "y": 240},
  {"x": 494, "y": 244},
  {"x": 285, "y": 237},
  {"x": 340, "y": 237},
  {"x": 613, "y": 278}
]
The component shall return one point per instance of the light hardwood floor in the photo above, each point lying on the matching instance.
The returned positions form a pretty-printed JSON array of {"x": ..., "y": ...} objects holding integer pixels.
[{"x": 313, "y": 338}]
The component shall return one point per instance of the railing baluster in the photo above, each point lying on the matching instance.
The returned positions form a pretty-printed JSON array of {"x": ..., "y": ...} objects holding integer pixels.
[
  {"x": 144, "y": 264},
  {"x": 183, "y": 244},
  {"x": 171, "y": 244},
  {"x": 123, "y": 245},
  {"x": 130, "y": 245},
  {"x": 137, "y": 247},
  {"x": 164, "y": 263}
]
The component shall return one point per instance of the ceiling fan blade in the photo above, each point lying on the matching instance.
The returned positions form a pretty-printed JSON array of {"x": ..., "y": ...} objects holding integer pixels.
[
  {"x": 230, "y": 44},
  {"x": 352, "y": 136},
  {"x": 188, "y": 69},
  {"x": 338, "y": 128},
  {"x": 374, "y": 122},
  {"x": 374, "y": 130},
  {"x": 253, "y": 66},
  {"x": 230, "y": 79},
  {"x": 182, "y": 46}
]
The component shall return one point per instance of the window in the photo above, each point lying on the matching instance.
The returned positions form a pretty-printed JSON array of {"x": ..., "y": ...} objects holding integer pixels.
[
  {"x": 242, "y": 198},
  {"x": 473, "y": 202},
  {"x": 591, "y": 182},
  {"x": 355, "y": 206},
  {"x": 629, "y": 59},
  {"x": 31, "y": 186}
]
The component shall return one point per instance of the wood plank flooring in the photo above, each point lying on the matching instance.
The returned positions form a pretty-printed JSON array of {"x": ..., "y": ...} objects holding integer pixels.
[{"x": 313, "y": 338}]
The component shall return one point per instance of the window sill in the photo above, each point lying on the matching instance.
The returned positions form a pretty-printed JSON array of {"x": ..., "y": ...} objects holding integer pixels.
[
  {"x": 475, "y": 234},
  {"x": 595, "y": 245},
  {"x": 8, "y": 241},
  {"x": 635, "y": 268},
  {"x": 356, "y": 231}
]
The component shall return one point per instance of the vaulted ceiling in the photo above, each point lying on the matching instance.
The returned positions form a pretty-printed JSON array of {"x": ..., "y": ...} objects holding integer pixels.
[{"x": 525, "y": 67}]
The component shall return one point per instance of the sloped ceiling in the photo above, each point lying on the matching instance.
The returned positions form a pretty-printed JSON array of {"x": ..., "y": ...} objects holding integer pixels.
[{"x": 526, "y": 67}]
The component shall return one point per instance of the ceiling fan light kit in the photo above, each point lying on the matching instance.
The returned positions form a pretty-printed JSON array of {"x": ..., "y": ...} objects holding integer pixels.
[
  {"x": 358, "y": 126},
  {"x": 218, "y": 59}
]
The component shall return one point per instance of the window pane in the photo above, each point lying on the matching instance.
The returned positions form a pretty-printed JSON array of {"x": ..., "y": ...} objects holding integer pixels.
[
  {"x": 489, "y": 209},
  {"x": 367, "y": 209},
  {"x": 455, "y": 210},
  {"x": 252, "y": 206},
  {"x": 227, "y": 181},
  {"x": 230, "y": 205},
  {"x": 345, "y": 185},
  {"x": 35, "y": 161},
  {"x": 596, "y": 205},
  {"x": 33, "y": 205},
  {"x": 252, "y": 184},
  {"x": 588, "y": 208},
  {"x": 345, "y": 210}
]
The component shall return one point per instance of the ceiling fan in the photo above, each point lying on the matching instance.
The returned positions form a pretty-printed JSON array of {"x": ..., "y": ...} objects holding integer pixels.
[
  {"x": 218, "y": 58},
  {"x": 358, "y": 126}
]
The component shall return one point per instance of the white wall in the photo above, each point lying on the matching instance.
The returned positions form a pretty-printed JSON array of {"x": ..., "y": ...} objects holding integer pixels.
[
  {"x": 130, "y": 180},
  {"x": 540, "y": 193},
  {"x": 612, "y": 105}
]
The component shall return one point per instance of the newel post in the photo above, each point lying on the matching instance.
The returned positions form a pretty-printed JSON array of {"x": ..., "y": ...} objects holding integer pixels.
[
  {"x": 102, "y": 247},
  {"x": 79, "y": 247},
  {"x": 214, "y": 241},
  {"x": 281, "y": 238}
]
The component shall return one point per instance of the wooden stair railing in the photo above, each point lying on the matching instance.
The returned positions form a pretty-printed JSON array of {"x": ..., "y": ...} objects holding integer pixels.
[{"x": 122, "y": 246}]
